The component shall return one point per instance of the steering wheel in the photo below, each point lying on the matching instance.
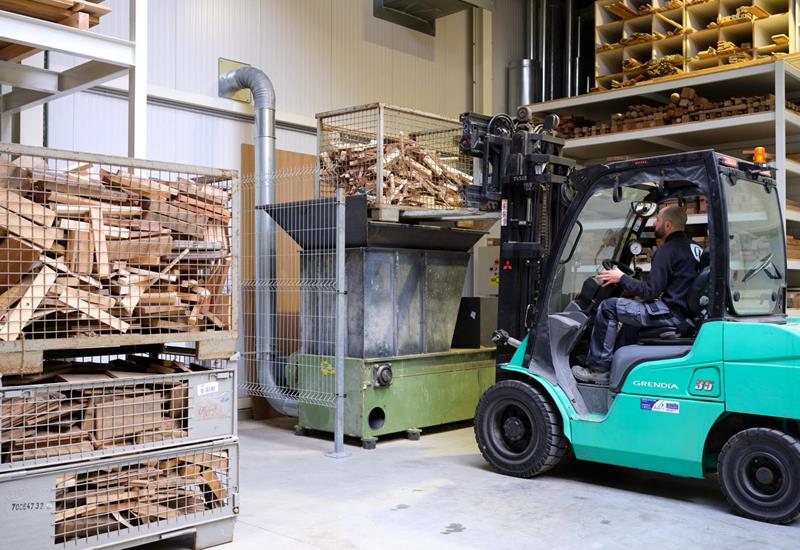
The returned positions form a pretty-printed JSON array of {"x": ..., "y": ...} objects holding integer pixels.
[
  {"x": 611, "y": 264},
  {"x": 758, "y": 268}
]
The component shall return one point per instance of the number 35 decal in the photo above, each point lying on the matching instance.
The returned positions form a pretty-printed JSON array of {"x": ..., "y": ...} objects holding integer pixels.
[{"x": 704, "y": 385}]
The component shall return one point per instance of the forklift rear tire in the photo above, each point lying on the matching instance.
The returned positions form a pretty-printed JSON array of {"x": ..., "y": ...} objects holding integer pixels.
[
  {"x": 759, "y": 472},
  {"x": 518, "y": 429}
]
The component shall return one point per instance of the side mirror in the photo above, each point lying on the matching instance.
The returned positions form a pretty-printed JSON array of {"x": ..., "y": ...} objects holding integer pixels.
[{"x": 644, "y": 209}]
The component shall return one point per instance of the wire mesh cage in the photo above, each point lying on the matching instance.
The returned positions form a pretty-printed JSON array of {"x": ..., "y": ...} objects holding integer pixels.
[
  {"x": 125, "y": 501},
  {"x": 91, "y": 502},
  {"x": 394, "y": 155},
  {"x": 99, "y": 406},
  {"x": 94, "y": 246},
  {"x": 289, "y": 290}
]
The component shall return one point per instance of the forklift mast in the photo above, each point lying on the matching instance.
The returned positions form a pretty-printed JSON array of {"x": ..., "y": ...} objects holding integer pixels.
[{"x": 523, "y": 174}]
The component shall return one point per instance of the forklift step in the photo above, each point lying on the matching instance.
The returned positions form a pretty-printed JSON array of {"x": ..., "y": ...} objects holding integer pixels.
[{"x": 595, "y": 396}]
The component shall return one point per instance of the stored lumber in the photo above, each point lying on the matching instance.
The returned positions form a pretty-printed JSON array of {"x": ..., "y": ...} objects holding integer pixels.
[{"x": 684, "y": 106}]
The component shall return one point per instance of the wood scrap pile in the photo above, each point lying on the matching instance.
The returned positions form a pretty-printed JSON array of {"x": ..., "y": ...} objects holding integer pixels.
[
  {"x": 84, "y": 252},
  {"x": 81, "y": 14},
  {"x": 685, "y": 106},
  {"x": 104, "y": 500},
  {"x": 109, "y": 407},
  {"x": 412, "y": 175}
]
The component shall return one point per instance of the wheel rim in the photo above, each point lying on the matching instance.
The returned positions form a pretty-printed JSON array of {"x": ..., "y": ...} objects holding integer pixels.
[
  {"x": 512, "y": 430},
  {"x": 762, "y": 476}
]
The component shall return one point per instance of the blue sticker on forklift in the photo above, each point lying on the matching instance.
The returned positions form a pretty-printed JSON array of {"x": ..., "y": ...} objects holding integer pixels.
[{"x": 660, "y": 405}]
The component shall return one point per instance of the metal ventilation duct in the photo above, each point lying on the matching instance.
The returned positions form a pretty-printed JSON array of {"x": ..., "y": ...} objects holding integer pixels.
[{"x": 421, "y": 15}]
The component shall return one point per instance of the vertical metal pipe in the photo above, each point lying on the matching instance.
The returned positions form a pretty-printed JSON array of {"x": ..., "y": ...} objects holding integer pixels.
[
  {"x": 318, "y": 173},
  {"x": 264, "y": 140},
  {"x": 530, "y": 29},
  {"x": 379, "y": 138},
  {"x": 341, "y": 325},
  {"x": 569, "y": 15},
  {"x": 541, "y": 38}
]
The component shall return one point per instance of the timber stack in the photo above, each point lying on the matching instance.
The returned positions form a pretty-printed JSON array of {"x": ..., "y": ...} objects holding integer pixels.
[{"x": 684, "y": 107}]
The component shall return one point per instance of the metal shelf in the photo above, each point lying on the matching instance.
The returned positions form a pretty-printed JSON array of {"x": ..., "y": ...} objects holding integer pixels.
[
  {"x": 105, "y": 58},
  {"x": 684, "y": 137}
]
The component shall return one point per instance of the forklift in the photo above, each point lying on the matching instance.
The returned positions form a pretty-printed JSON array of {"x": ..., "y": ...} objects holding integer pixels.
[{"x": 718, "y": 394}]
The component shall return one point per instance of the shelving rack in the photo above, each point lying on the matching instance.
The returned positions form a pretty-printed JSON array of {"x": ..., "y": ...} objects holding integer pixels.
[
  {"x": 692, "y": 34},
  {"x": 778, "y": 130},
  {"x": 103, "y": 58}
]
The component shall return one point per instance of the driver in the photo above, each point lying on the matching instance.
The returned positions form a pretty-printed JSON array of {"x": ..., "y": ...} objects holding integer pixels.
[{"x": 672, "y": 271}]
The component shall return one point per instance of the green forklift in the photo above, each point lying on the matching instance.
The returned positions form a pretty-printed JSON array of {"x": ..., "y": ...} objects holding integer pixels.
[{"x": 718, "y": 394}]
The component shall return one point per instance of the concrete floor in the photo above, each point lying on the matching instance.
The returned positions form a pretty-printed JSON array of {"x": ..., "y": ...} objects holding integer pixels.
[{"x": 439, "y": 493}]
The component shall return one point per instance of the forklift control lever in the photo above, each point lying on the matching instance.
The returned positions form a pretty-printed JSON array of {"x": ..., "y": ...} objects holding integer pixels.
[{"x": 501, "y": 338}]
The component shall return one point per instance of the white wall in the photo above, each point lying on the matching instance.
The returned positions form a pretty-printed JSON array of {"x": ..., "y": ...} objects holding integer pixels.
[{"x": 320, "y": 55}]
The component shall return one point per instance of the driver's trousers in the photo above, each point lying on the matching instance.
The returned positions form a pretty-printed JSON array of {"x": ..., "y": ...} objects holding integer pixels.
[{"x": 630, "y": 313}]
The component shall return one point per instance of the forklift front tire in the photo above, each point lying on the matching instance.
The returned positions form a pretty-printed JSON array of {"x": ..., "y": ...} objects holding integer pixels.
[
  {"x": 518, "y": 429},
  {"x": 759, "y": 473}
]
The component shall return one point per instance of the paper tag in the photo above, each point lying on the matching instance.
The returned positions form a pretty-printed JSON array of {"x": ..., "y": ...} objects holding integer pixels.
[{"x": 207, "y": 388}]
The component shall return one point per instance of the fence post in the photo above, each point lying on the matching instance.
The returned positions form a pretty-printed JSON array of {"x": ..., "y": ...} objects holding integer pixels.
[{"x": 341, "y": 325}]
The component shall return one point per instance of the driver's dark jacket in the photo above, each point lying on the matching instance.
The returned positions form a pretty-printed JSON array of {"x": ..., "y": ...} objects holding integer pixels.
[{"x": 672, "y": 271}]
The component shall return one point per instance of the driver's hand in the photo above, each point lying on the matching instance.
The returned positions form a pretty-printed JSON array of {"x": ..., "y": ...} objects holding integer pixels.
[{"x": 609, "y": 277}]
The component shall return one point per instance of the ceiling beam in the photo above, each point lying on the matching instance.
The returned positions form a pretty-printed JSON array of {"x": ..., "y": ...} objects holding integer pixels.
[
  {"x": 76, "y": 79},
  {"x": 44, "y": 35}
]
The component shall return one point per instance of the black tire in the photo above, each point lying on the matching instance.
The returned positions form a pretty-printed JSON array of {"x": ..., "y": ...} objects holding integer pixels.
[
  {"x": 759, "y": 473},
  {"x": 518, "y": 430}
]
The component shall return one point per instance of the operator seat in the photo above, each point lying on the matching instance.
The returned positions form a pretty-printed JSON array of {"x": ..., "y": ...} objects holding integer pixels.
[
  {"x": 660, "y": 346},
  {"x": 697, "y": 303}
]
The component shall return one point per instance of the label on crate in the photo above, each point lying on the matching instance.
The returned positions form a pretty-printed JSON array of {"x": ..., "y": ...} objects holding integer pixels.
[{"x": 208, "y": 388}]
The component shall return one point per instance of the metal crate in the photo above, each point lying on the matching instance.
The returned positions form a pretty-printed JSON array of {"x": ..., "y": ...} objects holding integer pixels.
[
  {"x": 54, "y": 423},
  {"x": 101, "y": 251},
  {"x": 394, "y": 155},
  {"x": 123, "y": 502}
]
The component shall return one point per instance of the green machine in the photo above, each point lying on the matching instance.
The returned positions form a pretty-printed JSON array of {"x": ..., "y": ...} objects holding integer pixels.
[
  {"x": 404, "y": 286},
  {"x": 403, "y": 394},
  {"x": 717, "y": 396}
]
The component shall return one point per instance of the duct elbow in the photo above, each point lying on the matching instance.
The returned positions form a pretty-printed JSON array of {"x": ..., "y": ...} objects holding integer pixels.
[{"x": 252, "y": 79}]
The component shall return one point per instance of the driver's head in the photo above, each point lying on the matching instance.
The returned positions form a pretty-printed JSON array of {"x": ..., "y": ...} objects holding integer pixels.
[{"x": 670, "y": 219}]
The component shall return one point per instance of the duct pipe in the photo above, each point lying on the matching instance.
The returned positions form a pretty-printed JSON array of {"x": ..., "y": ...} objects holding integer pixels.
[
  {"x": 541, "y": 57},
  {"x": 569, "y": 62},
  {"x": 530, "y": 26},
  {"x": 260, "y": 86},
  {"x": 522, "y": 74}
]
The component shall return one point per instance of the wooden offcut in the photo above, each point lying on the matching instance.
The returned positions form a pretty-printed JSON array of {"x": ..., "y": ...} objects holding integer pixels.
[{"x": 20, "y": 315}]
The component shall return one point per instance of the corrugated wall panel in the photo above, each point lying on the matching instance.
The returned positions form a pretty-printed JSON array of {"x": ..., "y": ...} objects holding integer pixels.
[{"x": 320, "y": 55}]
